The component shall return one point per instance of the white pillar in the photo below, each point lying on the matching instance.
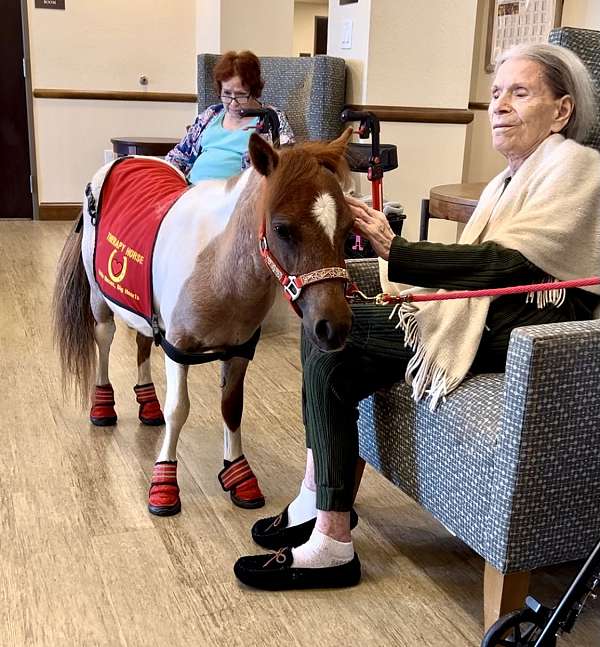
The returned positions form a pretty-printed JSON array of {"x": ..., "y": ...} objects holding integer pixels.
[{"x": 208, "y": 26}]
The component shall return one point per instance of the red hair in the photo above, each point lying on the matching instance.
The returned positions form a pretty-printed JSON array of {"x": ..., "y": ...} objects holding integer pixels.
[{"x": 245, "y": 65}]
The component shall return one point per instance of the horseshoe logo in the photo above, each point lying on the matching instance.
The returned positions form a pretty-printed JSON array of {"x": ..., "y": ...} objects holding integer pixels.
[{"x": 120, "y": 267}]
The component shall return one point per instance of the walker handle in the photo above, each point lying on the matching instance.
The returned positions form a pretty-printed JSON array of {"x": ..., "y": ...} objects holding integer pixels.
[
  {"x": 355, "y": 115},
  {"x": 269, "y": 121}
]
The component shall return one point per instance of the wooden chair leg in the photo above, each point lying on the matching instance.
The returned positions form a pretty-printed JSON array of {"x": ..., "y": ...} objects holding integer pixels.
[
  {"x": 502, "y": 593},
  {"x": 424, "y": 225}
]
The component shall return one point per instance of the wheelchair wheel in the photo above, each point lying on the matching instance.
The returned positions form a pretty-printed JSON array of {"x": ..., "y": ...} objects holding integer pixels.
[{"x": 516, "y": 629}]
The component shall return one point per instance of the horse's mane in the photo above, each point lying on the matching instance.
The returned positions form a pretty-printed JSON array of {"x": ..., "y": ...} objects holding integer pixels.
[{"x": 304, "y": 162}]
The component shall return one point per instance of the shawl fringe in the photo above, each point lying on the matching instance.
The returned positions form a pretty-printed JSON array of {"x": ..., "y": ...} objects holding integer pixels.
[
  {"x": 549, "y": 297},
  {"x": 423, "y": 373}
]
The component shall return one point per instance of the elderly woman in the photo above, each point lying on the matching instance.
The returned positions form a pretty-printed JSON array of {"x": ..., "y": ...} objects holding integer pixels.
[
  {"x": 539, "y": 220},
  {"x": 216, "y": 145}
]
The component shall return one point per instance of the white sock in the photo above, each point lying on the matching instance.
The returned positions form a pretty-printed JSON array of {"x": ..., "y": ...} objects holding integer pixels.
[
  {"x": 303, "y": 507},
  {"x": 321, "y": 551}
]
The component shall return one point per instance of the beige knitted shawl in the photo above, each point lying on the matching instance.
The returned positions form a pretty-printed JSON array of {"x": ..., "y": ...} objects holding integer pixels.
[{"x": 550, "y": 212}]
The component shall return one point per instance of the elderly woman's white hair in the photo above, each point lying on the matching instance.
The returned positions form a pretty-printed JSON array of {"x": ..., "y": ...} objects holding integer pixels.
[{"x": 565, "y": 74}]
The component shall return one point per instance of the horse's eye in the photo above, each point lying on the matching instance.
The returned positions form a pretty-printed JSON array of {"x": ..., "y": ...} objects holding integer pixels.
[{"x": 283, "y": 231}]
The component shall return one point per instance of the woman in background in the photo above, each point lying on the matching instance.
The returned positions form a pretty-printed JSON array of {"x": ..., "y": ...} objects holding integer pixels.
[{"x": 216, "y": 145}]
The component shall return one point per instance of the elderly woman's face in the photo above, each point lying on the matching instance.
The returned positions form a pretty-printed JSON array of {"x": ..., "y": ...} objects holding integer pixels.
[
  {"x": 522, "y": 110},
  {"x": 234, "y": 95}
]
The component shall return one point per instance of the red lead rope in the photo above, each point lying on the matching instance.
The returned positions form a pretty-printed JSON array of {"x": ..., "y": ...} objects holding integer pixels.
[{"x": 492, "y": 292}]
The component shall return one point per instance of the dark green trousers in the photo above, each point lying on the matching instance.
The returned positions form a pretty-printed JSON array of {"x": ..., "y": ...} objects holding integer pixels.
[{"x": 333, "y": 385}]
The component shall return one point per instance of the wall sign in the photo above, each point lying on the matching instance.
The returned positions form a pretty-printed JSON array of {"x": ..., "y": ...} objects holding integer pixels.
[
  {"x": 50, "y": 4},
  {"x": 513, "y": 22}
]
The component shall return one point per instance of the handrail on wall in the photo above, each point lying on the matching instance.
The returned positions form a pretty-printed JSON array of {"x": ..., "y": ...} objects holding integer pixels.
[
  {"x": 384, "y": 113},
  {"x": 114, "y": 95}
]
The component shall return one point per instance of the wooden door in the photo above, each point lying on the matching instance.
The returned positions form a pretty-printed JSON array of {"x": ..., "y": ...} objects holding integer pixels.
[
  {"x": 15, "y": 166},
  {"x": 320, "y": 43}
]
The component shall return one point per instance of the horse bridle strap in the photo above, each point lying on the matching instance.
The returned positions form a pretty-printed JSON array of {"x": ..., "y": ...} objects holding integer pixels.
[{"x": 292, "y": 284}]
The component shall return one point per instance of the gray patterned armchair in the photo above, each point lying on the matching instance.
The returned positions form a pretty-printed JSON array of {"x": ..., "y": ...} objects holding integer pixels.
[
  {"x": 310, "y": 90},
  {"x": 510, "y": 463}
]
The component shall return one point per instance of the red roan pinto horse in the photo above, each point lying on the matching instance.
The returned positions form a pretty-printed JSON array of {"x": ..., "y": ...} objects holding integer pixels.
[{"x": 214, "y": 280}]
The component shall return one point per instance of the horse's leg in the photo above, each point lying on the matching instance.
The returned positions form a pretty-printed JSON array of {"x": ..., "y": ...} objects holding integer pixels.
[
  {"x": 149, "y": 412},
  {"x": 103, "y": 411},
  {"x": 163, "y": 499},
  {"x": 237, "y": 476}
]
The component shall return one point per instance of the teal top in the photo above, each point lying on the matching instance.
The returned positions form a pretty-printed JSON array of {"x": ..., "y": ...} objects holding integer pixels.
[{"x": 222, "y": 150}]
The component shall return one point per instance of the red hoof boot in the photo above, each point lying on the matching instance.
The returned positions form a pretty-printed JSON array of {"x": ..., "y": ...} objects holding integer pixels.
[
  {"x": 163, "y": 498},
  {"x": 238, "y": 479},
  {"x": 149, "y": 413},
  {"x": 102, "y": 413}
]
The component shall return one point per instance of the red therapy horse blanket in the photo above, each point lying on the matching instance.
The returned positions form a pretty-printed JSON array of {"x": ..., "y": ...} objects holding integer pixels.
[{"x": 135, "y": 197}]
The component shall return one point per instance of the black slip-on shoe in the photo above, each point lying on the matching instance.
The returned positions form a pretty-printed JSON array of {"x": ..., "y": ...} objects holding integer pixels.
[
  {"x": 274, "y": 572},
  {"x": 272, "y": 532}
]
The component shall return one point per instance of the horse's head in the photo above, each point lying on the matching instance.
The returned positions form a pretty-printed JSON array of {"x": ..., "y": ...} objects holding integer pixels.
[{"x": 306, "y": 222}]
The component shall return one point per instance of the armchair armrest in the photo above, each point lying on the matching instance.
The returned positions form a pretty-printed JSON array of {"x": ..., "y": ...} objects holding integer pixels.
[
  {"x": 365, "y": 273},
  {"x": 546, "y": 493}
]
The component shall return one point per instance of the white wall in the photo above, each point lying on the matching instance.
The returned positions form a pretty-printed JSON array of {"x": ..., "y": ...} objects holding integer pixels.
[
  {"x": 420, "y": 53},
  {"x": 208, "y": 26},
  {"x": 264, "y": 26},
  {"x": 304, "y": 25},
  {"x": 357, "y": 55},
  {"x": 581, "y": 13},
  {"x": 105, "y": 46}
]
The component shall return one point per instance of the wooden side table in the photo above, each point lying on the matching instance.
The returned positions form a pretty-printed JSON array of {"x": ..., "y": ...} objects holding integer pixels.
[
  {"x": 454, "y": 202},
  {"x": 156, "y": 146}
]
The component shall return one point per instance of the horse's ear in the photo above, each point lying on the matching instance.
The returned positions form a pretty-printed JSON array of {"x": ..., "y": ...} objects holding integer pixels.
[
  {"x": 343, "y": 139},
  {"x": 333, "y": 155},
  {"x": 264, "y": 157}
]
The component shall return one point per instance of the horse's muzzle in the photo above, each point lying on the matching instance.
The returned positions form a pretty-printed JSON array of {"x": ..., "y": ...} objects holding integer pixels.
[{"x": 329, "y": 335}]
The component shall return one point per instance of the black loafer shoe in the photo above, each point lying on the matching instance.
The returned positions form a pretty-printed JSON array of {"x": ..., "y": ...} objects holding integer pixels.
[
  {"x": 275, "y": 573},
  {"x": 272, "y": 533}
]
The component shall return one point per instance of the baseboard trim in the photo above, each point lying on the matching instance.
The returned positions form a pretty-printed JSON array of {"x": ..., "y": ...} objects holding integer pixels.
[{"x": 59, "y": 210}]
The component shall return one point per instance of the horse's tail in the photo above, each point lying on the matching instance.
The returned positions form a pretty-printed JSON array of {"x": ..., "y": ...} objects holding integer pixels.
[{"x": 73, "y": 321}]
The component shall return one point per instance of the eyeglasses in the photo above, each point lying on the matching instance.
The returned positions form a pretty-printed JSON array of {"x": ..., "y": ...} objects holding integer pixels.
[{"x": 242, "y": 99}]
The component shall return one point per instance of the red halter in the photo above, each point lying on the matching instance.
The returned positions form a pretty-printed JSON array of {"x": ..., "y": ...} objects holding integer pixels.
[{"x": 292, "y": 285}]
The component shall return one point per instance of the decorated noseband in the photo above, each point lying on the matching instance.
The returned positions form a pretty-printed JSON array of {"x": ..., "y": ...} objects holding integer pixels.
[{"x": 292, "y": 285}]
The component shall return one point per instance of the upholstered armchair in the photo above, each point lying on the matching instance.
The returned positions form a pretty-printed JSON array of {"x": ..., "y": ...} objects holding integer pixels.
[
  {"x": 310, "y": 90},
  {"x": 510, "y": 463}
]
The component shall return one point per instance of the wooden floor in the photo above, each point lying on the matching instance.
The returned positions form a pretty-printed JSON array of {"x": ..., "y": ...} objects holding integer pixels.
[{"x": 83, "y": 563}]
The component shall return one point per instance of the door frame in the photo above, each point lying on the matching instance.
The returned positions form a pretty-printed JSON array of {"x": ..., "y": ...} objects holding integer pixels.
[{"x": 29, "y": 100}]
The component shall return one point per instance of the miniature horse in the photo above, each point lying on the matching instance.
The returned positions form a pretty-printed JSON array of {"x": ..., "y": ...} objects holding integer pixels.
[{"x": 214, "y": 281}]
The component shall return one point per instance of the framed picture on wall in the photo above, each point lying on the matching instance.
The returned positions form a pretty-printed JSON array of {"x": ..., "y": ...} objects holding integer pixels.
[{"x": 513, "y": 22}]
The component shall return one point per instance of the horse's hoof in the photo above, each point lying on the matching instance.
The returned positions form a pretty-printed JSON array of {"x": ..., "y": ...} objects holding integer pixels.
[
  {"x": 152, "y": 422},
  {"x": 163, "y": 497},
  {"x": 165, "y": 510},
  {"x": 103, "y": 421},
  {"x": 249, "y": 504},
  {"x": 150, "y": 412},
  {"x": 238, "y": 479},
  {"x": 102, "y": 413}
]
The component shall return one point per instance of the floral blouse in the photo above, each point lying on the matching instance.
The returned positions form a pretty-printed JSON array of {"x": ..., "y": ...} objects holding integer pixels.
[{"x": 186, "y": 152}]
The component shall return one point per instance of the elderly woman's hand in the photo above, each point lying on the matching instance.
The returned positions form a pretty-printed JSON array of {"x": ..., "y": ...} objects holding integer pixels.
[{"x": 372, "y": 224}]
